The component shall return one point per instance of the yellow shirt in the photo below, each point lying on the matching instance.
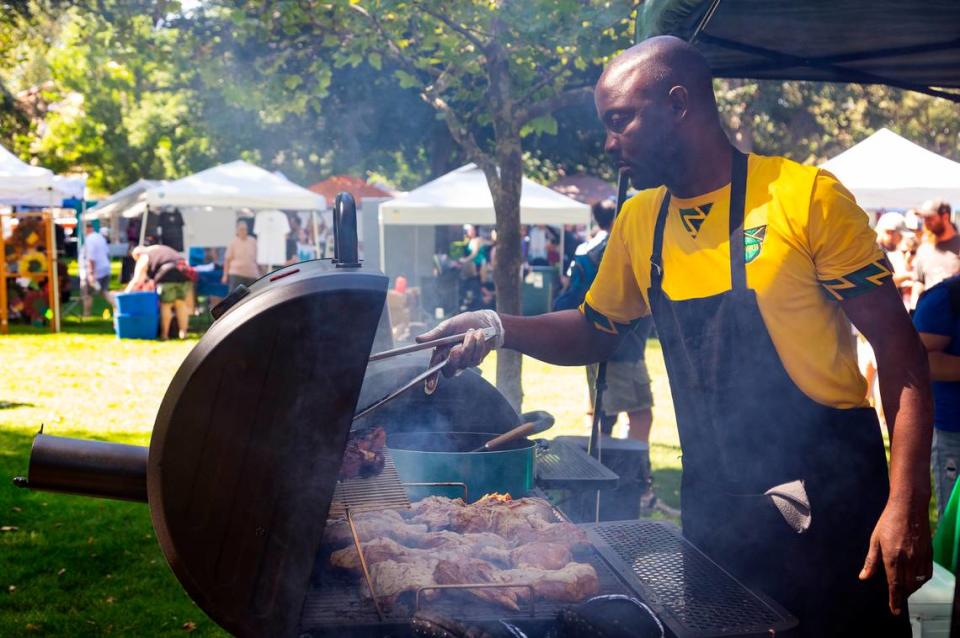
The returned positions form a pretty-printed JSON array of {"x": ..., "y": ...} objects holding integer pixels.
[{"x": 807, "y": 246}]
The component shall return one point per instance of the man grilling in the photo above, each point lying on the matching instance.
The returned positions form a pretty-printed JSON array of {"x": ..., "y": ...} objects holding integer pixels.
[{"x": 753, "y": 268}]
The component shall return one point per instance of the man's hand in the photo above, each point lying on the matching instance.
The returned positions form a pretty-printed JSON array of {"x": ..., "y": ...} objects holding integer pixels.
[
  {"x": 901, "y": 540},
  {"x": 224, "y": 279},
  {"x": 474, "y": 348}
]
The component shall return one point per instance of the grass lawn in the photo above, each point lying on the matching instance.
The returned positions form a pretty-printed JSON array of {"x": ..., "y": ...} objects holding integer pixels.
[{"x": 74, "y": 566}]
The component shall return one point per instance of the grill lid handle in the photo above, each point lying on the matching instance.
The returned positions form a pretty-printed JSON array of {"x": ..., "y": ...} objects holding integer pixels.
[{"x": 345, "y": 243}]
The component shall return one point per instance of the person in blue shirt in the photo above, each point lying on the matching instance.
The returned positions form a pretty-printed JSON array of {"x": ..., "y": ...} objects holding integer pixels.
[{"x": 937, "y": 319}]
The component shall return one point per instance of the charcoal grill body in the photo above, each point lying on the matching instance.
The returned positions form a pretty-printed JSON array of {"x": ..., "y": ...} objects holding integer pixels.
[{"x": 249, "y": 439}]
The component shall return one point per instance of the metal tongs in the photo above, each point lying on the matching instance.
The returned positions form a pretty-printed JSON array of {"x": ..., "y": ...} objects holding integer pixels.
[{"x": 452, "y": 340}]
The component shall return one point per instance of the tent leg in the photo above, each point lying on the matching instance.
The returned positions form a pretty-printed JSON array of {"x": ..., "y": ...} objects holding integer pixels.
[
  {"x": 143, "y": 225},
  {"x": 316, "y": 233}
]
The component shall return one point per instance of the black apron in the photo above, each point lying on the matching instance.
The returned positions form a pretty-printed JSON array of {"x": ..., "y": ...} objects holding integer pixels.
[{"x": 745, "y": 427}]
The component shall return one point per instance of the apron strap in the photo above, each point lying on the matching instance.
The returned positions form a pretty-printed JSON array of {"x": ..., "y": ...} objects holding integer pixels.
[
  {"x": 738, "y": 196},
  {"x": 656, "y": 255}
]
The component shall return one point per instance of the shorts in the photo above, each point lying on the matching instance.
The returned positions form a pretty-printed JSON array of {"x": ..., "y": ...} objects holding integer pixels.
[
  {"x": 235, "y": 280},
  {"x": 104, "y": 282},
  {"x": 628, "y": 387},
  {"x": 945, "y": 462},
  {"x": 171, "y": 291}
]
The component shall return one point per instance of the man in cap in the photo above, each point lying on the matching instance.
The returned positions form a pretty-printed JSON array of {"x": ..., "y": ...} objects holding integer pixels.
[
  {"x": 785, "y": 480},
  {"x": 938, "y": 258}
]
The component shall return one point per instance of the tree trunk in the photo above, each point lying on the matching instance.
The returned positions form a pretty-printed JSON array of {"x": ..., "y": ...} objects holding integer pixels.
[{"x": 506, "y": 272}]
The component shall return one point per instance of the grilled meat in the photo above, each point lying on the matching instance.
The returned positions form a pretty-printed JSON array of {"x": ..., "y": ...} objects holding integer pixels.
[
  {"x": 383, "y": 549},
  {"x": 364, "y": 454},
  {"x": 370, "y": 525},
  {"x": 476, "y": 572},
  {"x": 392, "y": 579},
  {"x": 441, "y": 541},
  {"x": 541, "y": 555},
  {"x": 572, "y": 583}
]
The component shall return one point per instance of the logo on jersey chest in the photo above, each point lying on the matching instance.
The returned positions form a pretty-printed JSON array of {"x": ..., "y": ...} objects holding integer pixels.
[
  {"x": 693, "y": 218},
  {"x": 753, "y": 242}
]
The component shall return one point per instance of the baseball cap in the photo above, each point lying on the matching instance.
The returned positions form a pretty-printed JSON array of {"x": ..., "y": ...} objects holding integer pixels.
[
  {"x": 933, "y": 207},
  {"x": 891, "y": 221}
]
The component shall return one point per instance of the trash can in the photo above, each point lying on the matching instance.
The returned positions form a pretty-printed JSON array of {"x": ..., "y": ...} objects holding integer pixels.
[
  {"x": 536, "y": 293},
  {"x": 138, "y": 315}
]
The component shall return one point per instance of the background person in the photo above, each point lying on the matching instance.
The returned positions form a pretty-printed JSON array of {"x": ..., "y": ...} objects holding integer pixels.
[
  {"x": 628, "y": 381},
  {"x": 937, "y": 319},
  {"x": 240, "y": 262},
  {"x": 94, "y": 269},
  {"x": 160, "y": 267},
  {"x": 938, "y": 258}
]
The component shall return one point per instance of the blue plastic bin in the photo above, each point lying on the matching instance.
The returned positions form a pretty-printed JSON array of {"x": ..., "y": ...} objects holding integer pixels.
[
  {"x": 143, "y": 304},
  {"x": 136, "y": 326}
]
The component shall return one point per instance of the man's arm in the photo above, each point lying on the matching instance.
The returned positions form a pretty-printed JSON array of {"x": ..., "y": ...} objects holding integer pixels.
[
  {"x": 565, "y": 338},
  {"x": 561, "y": 338},
  {"x": 901, "y": 538},
  {"x": 139, "y": 273},
  {"x": 943, "y": 366}
]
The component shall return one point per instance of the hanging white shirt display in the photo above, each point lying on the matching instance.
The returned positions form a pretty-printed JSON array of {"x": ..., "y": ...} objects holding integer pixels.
[{"x": 271, "y": 228}]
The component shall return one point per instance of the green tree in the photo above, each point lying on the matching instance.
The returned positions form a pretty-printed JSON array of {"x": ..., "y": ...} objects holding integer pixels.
[
  {"x": 813, "y": 121},
  {"x": 494, "y": 71}
]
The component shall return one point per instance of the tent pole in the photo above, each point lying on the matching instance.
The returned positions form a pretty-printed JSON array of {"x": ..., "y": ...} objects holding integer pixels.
[
  {"x": 383, "y": 241},
  {"x": 143, "y": 225},
  {"x": 316, "y": 233}
]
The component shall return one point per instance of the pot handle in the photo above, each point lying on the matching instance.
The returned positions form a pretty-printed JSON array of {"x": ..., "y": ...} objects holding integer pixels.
[{"x": 533, "y": 423}]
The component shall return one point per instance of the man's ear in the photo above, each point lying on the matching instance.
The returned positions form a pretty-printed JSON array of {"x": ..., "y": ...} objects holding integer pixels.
[{"x": 679, "y": 102}]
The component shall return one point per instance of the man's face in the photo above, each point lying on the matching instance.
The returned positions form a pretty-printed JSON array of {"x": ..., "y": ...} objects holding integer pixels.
[
  {"x": 637, "y": 124},
  {"x": 936, "y": 224},
  {"x": 889, "y": 238}
]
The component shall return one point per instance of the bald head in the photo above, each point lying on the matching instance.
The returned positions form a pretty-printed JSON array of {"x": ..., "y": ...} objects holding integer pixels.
[
  {"x": 658, "y": 65},
  {"x": 656, "y": 101}
]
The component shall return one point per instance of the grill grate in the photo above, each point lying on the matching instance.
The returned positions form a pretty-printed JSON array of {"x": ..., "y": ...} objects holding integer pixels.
[
  {"x": 383, "y": 491},
  {"x": 690, "y": 593},
  {"x": 562, "y": 465}
]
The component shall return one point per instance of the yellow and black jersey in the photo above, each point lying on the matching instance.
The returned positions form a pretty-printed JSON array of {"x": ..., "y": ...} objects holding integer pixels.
[{"x": 807, "y": 246}]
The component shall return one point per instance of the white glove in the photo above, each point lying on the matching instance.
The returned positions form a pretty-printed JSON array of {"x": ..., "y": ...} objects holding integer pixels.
[
  {"x": 94, "y": 285},
  {"x": 474, "y": 348}
]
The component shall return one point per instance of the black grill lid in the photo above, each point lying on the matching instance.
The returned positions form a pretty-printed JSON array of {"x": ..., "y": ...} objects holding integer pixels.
[{"x": 249, "y": 439}]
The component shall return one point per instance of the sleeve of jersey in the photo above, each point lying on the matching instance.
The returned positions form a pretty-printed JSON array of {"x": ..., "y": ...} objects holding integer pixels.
[
  {"x": 844, "y": 248},
  {"x": 614, "y": 302}
]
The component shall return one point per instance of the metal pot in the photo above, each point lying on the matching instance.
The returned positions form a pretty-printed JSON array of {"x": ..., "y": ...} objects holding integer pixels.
[{"x": 456, "y": 457}]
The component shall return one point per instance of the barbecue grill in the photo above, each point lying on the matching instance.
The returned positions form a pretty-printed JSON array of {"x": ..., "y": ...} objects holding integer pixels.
[{"x": 242, "y": 471}]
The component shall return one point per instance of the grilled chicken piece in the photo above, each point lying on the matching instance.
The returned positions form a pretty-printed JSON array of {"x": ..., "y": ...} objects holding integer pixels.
[
  {"x": 371, "y": 525},
  {"x": 573, "y": 583},
  {"x": 541, "y": 556},
  {"x": 435, "y": 511},
  {"x": 561, "y": 533},
  {"x": 381, "y": 549},
  {"x": 526, "y": 507},
  {"x": 363, "y": 456},
  {"x": 392, "y": 579},
  {"x": 441, "y": 539},
  {"x": 476, "y": 572}
]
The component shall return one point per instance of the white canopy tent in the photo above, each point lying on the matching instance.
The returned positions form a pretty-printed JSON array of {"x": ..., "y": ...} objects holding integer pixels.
[
  {"x": 127, "y": 202},
  {"x": 888, "y": 171},
  {"x": 208, "y": 200},
  {"x": 462, "y": 196},
  {"x": 23, "y": 184},
  {"x": 235, "y": 185}
]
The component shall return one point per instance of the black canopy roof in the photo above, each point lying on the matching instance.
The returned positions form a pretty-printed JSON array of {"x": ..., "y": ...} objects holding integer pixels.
[{"x": 908, "y": 44}]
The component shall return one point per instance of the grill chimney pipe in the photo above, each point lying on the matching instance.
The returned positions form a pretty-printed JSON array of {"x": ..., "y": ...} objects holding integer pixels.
[{"x": 90, "y": 468}]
